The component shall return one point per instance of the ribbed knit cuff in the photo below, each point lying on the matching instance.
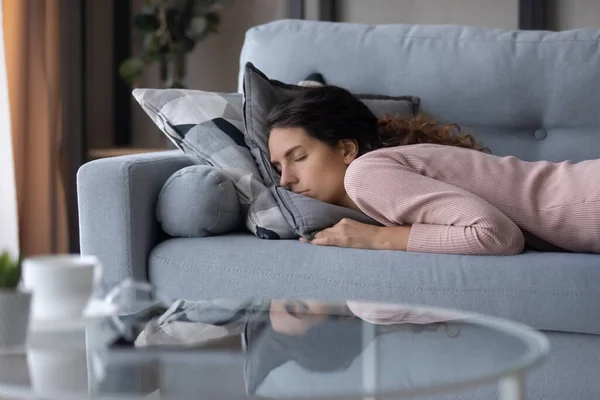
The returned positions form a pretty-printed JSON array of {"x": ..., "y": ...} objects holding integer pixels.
[{"x": 425, "y": 238}]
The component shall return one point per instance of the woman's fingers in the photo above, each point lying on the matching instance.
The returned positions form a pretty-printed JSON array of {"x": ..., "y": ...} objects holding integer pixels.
[
  {"x": 337, "y": 235},
  {"x": 346, "y": 233},
  {"x": 339, "y": 241},
  {"x": 319, "y": 234},
  {"x": 324, "y": 241},
  {"x": 326, "y": 237},
  {"x": 324, "y": 233}
]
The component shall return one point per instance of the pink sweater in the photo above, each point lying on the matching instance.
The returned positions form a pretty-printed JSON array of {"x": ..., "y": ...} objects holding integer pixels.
[
  {"x": 462, "y": 201},
  {"x": 392, "y": 314}
]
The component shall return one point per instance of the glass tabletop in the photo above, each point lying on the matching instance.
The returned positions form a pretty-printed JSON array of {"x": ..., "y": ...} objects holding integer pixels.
[{"x": 272, "y": 348}]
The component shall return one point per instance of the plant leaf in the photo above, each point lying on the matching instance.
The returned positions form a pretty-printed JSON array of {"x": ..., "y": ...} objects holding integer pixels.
[
  {"x": 5, "y": 260},
  {"x": 201, "y": 7},
  {"x": 187, "y": 45},
  {"x": 175, "y": 27},
  {"x": 177, "y": 85},
  {"x": 131, "y": 69},
  {"x": 198, "y": 26},
  {"x": 148, "y": 8},
  {"x": 213, "y": 18},
  {"x": 152, "y": 46},
  {"x": 10, "y": 271},
  {"x": 13, "y": 277},
  {"x": 186, "y": 12},
  {"x": 146, "y": 22}
]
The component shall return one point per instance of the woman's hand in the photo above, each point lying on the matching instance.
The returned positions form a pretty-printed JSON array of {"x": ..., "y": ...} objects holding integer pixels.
[{"x": 353, "y": 234}]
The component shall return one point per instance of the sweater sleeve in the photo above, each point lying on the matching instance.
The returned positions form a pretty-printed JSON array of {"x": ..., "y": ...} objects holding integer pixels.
[{"x": 445, "y": 218}]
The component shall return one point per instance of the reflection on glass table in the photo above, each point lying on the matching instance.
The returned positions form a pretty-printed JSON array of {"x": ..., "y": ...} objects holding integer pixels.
[{"x": 276, "y": 348}]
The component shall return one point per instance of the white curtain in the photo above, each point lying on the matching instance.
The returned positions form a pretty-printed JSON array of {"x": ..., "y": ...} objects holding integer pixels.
[{"x": 9, "y": 234}]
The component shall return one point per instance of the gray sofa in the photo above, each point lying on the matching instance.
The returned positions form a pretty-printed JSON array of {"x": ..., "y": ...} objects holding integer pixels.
[{"x": 535, "y": 95}]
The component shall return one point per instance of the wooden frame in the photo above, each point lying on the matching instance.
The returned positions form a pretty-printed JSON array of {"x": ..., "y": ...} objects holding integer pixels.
[
  {"x": 73, "y": 138},
  {"x": 73, "y": 95},
  {"x": 296, "y": 9},
  {"x": 533, "y": 14},
  {"x": 328, "y": 10},
  {"x": 121, "y": 90}
]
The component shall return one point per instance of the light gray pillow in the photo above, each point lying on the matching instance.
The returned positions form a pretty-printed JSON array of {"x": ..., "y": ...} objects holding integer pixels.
[
  {"x": 197, "y": 201},
  {"x": 304, "y": 214}
]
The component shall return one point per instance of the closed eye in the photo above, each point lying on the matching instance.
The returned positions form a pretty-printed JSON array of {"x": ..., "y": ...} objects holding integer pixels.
[{"x": 301, "y": 158}]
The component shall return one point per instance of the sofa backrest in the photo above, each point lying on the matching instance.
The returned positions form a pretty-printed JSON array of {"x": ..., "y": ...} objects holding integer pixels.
[{"x": 532, "y": 94}]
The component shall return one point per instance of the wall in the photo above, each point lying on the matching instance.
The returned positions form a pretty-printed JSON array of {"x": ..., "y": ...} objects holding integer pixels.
[
  {"x": 213, "y": 66},
  {"x": 214, "y": 63},
  {"x": 311, "y": 10},
  {"x": 562, "y": 15},
  {"x": 570, "y": 14},
  {"x": 492, "y": 13}
]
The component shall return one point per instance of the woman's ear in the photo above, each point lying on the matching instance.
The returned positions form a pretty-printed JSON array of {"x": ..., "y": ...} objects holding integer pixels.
[{"x": 350, "y": 149}]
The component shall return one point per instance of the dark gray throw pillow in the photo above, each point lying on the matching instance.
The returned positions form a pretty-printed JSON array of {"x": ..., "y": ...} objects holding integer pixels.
[{"x": 304, "y": 214}]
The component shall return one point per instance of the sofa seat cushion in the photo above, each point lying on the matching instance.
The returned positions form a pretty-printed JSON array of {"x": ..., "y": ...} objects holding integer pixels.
[{"x": 549, "y": 291}]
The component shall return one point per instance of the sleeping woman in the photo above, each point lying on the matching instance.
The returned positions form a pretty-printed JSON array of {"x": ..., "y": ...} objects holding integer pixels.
[{"x": 434, "y": 189}]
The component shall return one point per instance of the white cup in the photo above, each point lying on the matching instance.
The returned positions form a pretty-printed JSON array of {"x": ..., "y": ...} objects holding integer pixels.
[
  {"x": 58, "y": 371},
  {"x": 61, "y": 284}
]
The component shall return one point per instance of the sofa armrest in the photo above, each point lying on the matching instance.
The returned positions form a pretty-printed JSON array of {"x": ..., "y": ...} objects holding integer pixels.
[{"x": 117, "y": 200}]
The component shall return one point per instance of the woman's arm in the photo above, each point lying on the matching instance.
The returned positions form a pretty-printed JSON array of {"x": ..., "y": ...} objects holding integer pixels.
[
  {"x": 392, "y": 237},
  {"x": 443, "y": 218}
]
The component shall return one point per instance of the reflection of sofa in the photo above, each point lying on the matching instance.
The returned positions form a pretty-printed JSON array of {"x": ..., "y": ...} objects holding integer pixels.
[{"x": 531, "y": 94}]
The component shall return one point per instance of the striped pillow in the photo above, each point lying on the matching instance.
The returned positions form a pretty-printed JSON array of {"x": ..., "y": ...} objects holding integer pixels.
[{"x": 209, "y": 126}]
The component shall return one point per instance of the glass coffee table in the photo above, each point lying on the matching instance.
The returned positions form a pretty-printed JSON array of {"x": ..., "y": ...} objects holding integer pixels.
[{"x": 275, "y": 348}]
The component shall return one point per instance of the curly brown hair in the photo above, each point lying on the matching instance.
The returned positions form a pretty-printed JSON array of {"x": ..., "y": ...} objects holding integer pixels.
[
  {"x": 330, "y": 114},
  {"x": 397, "y": 131}
]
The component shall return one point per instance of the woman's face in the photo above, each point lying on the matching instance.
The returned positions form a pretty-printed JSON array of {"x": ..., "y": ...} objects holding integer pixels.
[{"x": 309, "y": 166}]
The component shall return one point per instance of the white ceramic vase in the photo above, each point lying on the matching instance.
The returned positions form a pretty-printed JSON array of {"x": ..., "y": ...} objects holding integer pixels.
[{"x": 14, "y": 318}]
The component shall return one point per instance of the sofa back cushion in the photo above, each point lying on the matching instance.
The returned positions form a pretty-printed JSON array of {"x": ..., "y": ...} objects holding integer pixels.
[{"x": 525, "y": 93}]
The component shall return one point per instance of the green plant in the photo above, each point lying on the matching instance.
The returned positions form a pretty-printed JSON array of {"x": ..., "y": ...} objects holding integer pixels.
[
  {"x": 170, "y": 30},
  {"x": 10, "y": 271}
]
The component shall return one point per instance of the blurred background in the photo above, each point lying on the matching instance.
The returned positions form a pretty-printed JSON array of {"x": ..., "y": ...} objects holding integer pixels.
[
  {"x": 71, "y": 65},
  {"x": 213, "y": 64}
]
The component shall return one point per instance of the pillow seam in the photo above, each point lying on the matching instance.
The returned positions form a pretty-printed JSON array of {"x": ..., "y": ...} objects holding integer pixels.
[{"x": 220, "y": 206}]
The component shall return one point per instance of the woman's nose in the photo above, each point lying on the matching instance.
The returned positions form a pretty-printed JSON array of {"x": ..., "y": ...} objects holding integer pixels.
[{"x": 287, "y": 178}]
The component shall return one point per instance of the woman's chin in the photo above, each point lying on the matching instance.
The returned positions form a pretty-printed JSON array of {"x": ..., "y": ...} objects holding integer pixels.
[{"x": 312, "y": 195}]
